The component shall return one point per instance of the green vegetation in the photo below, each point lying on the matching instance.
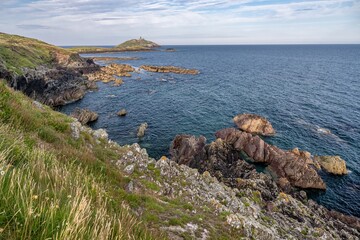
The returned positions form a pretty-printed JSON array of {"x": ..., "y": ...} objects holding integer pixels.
[
  {"x": 50, "y": 189},
  {"x": 18, "y": 52}
]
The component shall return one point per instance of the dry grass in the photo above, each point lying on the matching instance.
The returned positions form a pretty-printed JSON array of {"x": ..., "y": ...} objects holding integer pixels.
[
  {"x": 43, "y": 198},
  {"x": 55, "y": 187}
]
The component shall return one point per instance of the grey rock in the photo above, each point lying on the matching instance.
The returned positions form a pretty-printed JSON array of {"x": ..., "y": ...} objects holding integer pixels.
[
  {"x": 141, "y": 130},
  {"x": 100, "y": 134},
  {"x": 129, "y": 169}
]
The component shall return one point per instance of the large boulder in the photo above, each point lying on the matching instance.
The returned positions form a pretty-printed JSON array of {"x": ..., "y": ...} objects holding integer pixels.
[
  {"x": 298, "y": 169},
  {"x": 220, "y": 160},
  {"x": 84, "y": 115},
  {"x": 332, "y": 164},
  {"x": 253, "y": 123},
  {"x": 188, "y": 150}
]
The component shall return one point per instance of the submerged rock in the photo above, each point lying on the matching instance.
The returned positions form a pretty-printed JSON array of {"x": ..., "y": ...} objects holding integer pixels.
[
  {"x": 141, "y": 130},
  {"x": 85, "y": 115},
  {"x": 332, "y": 164},
  {"x": 170, "y": 50},
  {"x": 255, "y": 124}
]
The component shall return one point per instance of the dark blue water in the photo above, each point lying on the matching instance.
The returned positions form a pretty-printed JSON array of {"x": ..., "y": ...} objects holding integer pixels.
[{"x": 299, "y": 88}]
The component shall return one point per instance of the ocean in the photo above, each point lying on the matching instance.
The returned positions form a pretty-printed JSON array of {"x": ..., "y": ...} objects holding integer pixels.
[{"x": 304, "y": 90}]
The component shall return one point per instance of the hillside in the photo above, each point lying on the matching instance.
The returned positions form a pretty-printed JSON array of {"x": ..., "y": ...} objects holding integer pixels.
[{"x": 50, "y": 74}]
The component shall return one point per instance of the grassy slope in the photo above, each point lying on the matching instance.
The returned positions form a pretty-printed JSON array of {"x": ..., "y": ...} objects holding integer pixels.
[
  {"x": 52, "y": 186},
  {"x": 17, "y": 52}
]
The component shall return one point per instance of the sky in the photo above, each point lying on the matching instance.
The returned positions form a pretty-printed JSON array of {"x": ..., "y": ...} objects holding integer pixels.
[{"x": 180, "y": 22}]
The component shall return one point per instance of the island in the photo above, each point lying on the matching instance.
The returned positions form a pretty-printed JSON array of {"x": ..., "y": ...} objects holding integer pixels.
[{"x": 140, "y": 44}]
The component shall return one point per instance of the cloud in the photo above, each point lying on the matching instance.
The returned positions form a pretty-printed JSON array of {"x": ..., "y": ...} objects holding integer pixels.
[
  {"x": 108, "y": 21},
  {"x": 32, "y": 26}
]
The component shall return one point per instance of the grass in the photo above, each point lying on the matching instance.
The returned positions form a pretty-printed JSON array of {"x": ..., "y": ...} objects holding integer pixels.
[
  {"x": 55, "y": 187},
  {"x": 18, "y": 52}
]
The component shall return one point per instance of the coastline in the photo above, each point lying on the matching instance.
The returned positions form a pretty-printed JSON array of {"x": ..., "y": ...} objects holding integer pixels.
[{"x": 248, "y": 201}]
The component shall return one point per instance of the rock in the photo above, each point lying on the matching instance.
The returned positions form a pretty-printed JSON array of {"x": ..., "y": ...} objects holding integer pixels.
[
  {"x": 85, "y": 115},
  {"x": 130, "y": 187},
  {"x": 118, "y": 82},
  {"x": 170, "y": 50},
  {"x": 168, "y": 69},
  {"x": 297, "y": 169},
  {"x": 220, "y": 160},
  {"x": 122, "y": 112},
  {"x": 108, "y": 73},
  {"x": 332, "y": 164},
  {"x": 255, "y": 124},
  {"x": 101, "y": 134},
  {"x": 141, "y": 130},
  {"x": 188, "y": 150},
  {"x": 38, "y": 105},
  {"x": 75, "y": 129},
  {"x": 129, "y": 169}
]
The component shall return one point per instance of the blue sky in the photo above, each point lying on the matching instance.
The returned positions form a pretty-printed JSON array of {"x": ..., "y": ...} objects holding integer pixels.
[{"x": 99, "y": 22}]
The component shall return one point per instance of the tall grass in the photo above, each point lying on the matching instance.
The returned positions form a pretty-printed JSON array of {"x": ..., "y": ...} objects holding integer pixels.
[{"x": 42, "y": 198}]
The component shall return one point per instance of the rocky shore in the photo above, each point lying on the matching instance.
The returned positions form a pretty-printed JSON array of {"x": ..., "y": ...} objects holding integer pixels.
[
  {"x": 204, "y": 191},
  {"x": 279, "y": 195}
]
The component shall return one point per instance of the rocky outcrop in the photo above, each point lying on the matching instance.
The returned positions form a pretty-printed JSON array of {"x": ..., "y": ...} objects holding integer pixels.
[
  {"x": 169, "y": 69},
  {"x": 243, "y": 209},
  {"x": 122, "y": 112},
  {"x": 84, "y": 116},
  {"x": 48, "y": 74},
  {"x": 255, "y": 124},
  {"x": 222, "y": 158},
  {"x": 50, "y": 86},
  {"x": 111, "y": 73},
  {"x": 141, "y": 130},
  {"x": 332, "y": 164},
  {"x": 188, "y": 150},
  {"x": 299, "y": 170}
]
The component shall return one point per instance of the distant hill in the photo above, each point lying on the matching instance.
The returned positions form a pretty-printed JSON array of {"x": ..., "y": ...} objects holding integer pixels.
[{"x": 140, "y": 43}]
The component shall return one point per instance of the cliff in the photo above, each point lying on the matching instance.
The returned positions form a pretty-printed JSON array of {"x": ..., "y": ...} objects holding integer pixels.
[{"x": 50, "y": 74}]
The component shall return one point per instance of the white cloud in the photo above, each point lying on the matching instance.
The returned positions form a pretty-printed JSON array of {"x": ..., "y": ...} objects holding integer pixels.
[{"x": 188, "y": 22}]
